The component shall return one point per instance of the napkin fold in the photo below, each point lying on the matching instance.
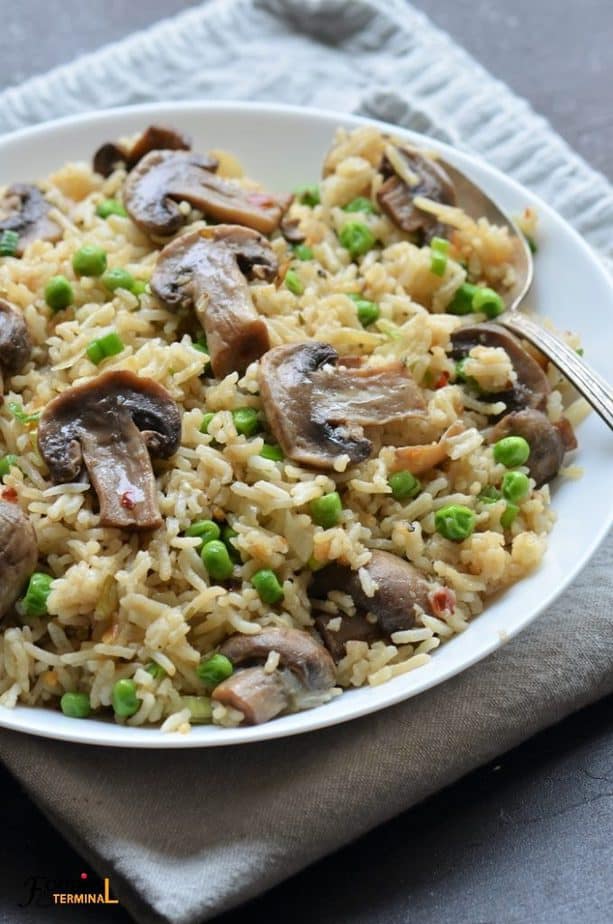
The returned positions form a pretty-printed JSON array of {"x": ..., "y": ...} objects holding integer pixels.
[{"x": 185, "y": 837}]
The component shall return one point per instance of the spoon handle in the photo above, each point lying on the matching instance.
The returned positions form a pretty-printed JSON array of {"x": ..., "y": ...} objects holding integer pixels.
[{"x": 592, "y": 386}]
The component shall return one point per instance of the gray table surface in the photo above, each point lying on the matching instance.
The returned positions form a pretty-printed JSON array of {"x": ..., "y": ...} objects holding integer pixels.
[{"x": 528, "y": 838}]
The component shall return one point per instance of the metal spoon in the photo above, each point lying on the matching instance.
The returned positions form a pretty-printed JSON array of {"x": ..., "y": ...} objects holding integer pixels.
[{"x": 588, "y": 382}]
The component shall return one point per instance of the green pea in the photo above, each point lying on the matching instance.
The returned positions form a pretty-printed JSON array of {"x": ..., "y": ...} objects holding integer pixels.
[
  {"x": 272, "y": 451},
  {"x": 303, "y": 252},
  {"x": 89, "y": 261},
  {"x": 360, "y": 204},
  {"x": 35, "y": 600},
  {"x": 200, "y": 710},
  {"x": 204, "y": 529},
  {"x": 488, "y": 301},
  {"x": 368, "y": 312},
  {"x": 508, "y": 515},
  {"x": 454, "y": 522},
  {"x": 267, "y": 585},
  {"x": 462, "y": 301},
  {"x": 118, "y": 278},
  {"x": 156, "y": 670},
  {"x": 326, "y": 510},
  {"x": 490, "y": 495},
  {"x": 357, "y": 238},
  {"x": 512, "y": 451},
  {"x": 308, "y": 195},
  {"x": 6, "y": 464},
  {"x": 404, "y": 485},
  {"x": 124, "y": 699},
  {"x": 206, "y": 419},
  {"x": 58, "y": 293},
  {"x": 214, "y": 669},
  {"x": 139, "y": 287},
  {"x": 515, "y": 486},
  {"x": 246, "y": 421},
  {"x": 216, "y": 560},
  {"x": 293, "y": 282},
  {"x": 76, "y": 705},
  {"x": 110, "y": 207}
]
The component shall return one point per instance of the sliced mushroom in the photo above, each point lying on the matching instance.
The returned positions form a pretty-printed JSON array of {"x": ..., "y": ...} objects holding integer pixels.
[
  {"x": 111, "y": 425},
  {"x": 549, "y": 442},
  {"x": 208, "y": 270},
  {"x": 154, "y": 138},
  {"x": 162, "y": 179},
  {"x": 260, "y": 696},
  {"x": 25, "y": 211},
  {"x": 356, "y": 628},
  {"x": 401, "y": 592},
  {"x": 15, "y": 341},
  {"x": 419, "y": 459},
  {"x": 532, "y": 386},
  {"x": 18, "y": 553},
  {"x": 318, "y": 408},
  {"x": 409, "y": 174},
  {"x": 290, "y": 229},
  {"x": 297, "y": 649}
]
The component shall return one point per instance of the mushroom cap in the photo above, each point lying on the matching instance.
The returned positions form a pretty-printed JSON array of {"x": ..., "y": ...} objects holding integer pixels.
[
  {"x": 15, "y": 340},
  {"x": 548, "y": 442},
  {"x": 532, "y": 386},
  {"x": 26, "y": 212},
  {"x": 162, "y": 179},
  {"x": 395, "y": 195},
  {"x": 298, "y": 651},
  {"x": 401, "y": 587},
  {"x": 18, "y": 553},
  {"x": 154, "y": 138},
  {"x": 207, "y": 270}
]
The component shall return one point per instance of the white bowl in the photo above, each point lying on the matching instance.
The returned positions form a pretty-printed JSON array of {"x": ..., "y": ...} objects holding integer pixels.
[{"x": 283, "y": 146}]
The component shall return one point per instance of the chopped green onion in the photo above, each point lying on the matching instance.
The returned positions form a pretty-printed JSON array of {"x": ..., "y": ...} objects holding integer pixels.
[
  {"x": 357, "y": 238},
  {"x": 206, "y": 419},
  {"x": 58, "y": 293},
  {"x": 462, "y": 301},
  {"x": 368, "y": 312},
  {"x": 508, "y": 515},
  {"x": 460, "y": 374},
  {"x": 272, "y": 452},
  {"x": 18, "y": 412},
  {"x": 488, "y": 301},
  {"x": 439, "y": 244},
  {"x": 200, "y": 710},
  {"x": 156, "y": 670},
  {"x": 109, "y": 345},
  {"x": 438, "y": 263},
  {"x": 214, "y": 669},
  {"x": 76, "y": 705},
  {"x": 327, "y": 509},
  {"x": 110, "y": 207},
  {"x": 267, "y": 585},
  {"x": 6, "y": 464},
  {"x": 204, "y": 529},
  {"x": 303, "y": 252},
  {"x": 579, "y": 351},
  {"x": 360, "y": 204},
  {"x": 9, "y": 242},
  {"x": 35, "y": 600},
  {"x": 293, "y": 282},
  {"x": 201, "y": 345},
  {"x": 246, "y": 421},
  {"x": 308, "y": 195},
  {"x": 531, "y": 242},
  {"x": 139, "y": 287}
]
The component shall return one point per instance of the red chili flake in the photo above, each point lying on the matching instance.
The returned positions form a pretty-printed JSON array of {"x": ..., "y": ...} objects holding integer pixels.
[
  {"x": 442, "y": 601},
  {"x": 127, "y": 501},
  {"x": 442, "y": 379},
  {"x": 9, "y": 494}
]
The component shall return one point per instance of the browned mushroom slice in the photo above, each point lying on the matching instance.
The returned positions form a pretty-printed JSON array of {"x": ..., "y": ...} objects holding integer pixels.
[
  {"x": 25, "y": 210},
  {"x": 15, "y": 341},
  {"x": 410, "y": 174},
  {"x": 162, "y": 179},
  {"x": 356, "y": 628},
  {"x": 548, "y": 442},
  {"x": 18, "y": 553},
  {"x": 290, "y": 229},
  {"x": 111, "y": 425},
  {"x": 319, "y": 410},
  {"x": 531, "y": 388},
  {"x": 207, "y": 270},
  {"x": 154, "y": 138},
  {"x": 400, "y": 589},
  {"x": 298, "y": 651},
  {"x": 260, "y": 696}
]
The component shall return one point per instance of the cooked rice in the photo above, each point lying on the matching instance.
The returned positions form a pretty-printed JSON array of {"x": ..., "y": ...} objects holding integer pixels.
[{"x": 121, "y": 600}]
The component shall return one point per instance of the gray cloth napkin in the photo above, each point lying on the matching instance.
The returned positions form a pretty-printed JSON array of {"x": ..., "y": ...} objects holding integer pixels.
[{"x": 186, "y": 836}]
